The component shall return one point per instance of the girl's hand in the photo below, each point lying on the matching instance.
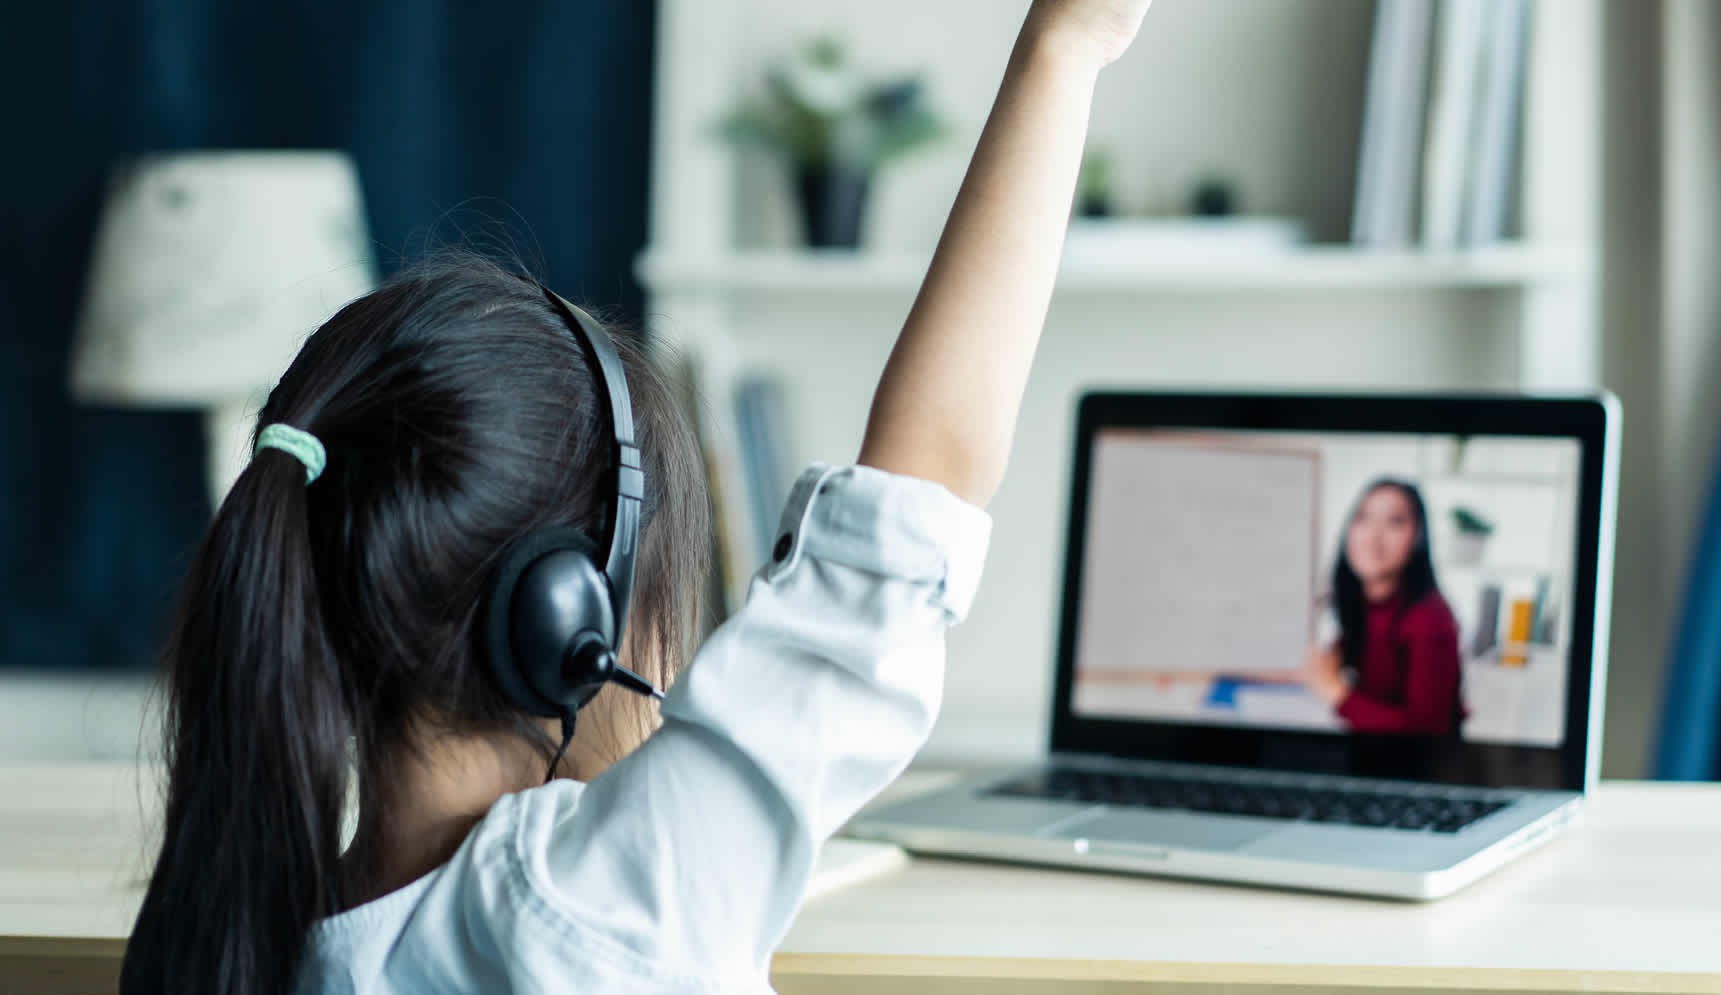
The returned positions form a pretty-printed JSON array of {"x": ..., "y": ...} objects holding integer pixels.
[
  {"x": 1322, "y": 676},
  {"x": 1104, "y": 28}
]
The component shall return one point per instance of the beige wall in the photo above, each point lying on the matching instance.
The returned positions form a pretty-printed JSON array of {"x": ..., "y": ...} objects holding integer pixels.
[
  {"x": 1691, "y": 259},
  {"x": 1631, "y": 330},
  {"x": 1661, "y": 329}
]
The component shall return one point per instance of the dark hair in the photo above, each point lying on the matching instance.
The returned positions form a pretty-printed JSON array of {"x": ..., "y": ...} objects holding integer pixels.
[
  {"x": 1416, "y": 583},
  {"x": 319, "y": 624}
]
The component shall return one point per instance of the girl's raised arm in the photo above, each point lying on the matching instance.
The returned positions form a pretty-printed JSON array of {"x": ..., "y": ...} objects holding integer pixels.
[{"x": 946, "y": 406}]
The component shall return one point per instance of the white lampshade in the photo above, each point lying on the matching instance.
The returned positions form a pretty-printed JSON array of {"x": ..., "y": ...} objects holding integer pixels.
[{"x": 211, "y": 268}]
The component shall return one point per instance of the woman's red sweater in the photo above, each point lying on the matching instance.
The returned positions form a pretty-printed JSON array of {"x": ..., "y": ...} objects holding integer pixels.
[{"x": 1409, "y": 675}]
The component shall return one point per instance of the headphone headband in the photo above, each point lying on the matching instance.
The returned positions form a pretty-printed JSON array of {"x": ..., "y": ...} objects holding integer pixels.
[
  {"x": 620, "y": 542},
  {"x": 554, "y": 618}
]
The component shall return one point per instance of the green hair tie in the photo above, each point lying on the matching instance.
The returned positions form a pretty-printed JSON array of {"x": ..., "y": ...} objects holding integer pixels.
[{"x": 297, "y": 443}]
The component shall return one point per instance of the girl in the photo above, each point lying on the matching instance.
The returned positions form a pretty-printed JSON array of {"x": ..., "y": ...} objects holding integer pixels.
[
  {"x": 1395, "y": 667},
  {"x": 325, "y": 649}
]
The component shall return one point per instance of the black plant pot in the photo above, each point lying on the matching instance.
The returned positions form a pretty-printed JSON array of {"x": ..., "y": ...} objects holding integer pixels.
[{"x": 833, "y": 205}]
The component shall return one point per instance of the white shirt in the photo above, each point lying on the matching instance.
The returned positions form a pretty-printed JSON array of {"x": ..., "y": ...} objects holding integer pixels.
[{"x": 680, "y": 868}]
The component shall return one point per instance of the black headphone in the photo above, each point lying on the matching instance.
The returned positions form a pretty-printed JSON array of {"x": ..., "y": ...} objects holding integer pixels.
[{"x": 553, "y": 617}]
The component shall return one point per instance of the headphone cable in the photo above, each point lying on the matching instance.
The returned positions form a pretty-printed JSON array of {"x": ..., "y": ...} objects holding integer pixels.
[{"x": 567, "y": 737}]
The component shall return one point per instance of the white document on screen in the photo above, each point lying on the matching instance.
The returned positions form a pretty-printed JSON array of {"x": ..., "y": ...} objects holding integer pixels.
[{"x": 1200, "y": 557}]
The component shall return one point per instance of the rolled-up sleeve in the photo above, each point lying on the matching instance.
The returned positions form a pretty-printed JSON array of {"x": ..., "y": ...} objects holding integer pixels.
[{"x": 692, "y": 853}]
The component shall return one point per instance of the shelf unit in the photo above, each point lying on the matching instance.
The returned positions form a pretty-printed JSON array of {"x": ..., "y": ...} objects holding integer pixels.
[
  {"x": 1277, "y": 109},
  {"x": 1517, "y": 266}
]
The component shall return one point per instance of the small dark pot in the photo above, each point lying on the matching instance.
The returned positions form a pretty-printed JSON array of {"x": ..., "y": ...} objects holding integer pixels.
[
  {"x": 1094, "y": 207},
  {"x": 833, "y": 205}
]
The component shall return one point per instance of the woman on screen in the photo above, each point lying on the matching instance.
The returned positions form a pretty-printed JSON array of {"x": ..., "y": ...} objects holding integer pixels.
[{"x": 1395, "y": 666}]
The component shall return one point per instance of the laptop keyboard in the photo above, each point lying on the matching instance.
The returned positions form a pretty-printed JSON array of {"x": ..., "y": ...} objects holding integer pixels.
[{"x": 1445, "y": 812}]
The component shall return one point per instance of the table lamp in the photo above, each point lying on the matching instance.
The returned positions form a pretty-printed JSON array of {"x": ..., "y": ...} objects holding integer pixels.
[{"x": 210, "y": 270}]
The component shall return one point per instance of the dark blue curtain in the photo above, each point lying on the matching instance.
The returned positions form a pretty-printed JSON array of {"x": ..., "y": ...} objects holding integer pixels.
[
  {"x": 531, "y": 113},
  {"x": 1690, "y": 748}
]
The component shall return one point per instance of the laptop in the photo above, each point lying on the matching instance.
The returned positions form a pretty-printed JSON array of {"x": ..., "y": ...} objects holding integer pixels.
[{"x": 1343, "y": 643}]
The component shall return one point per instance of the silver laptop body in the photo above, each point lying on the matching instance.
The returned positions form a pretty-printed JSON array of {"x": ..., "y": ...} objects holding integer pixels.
[{"x": 1243, "y": 774}]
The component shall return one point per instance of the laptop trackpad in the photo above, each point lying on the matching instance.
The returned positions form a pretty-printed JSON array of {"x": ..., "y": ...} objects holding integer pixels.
[{"x": 1169, "y": 829}]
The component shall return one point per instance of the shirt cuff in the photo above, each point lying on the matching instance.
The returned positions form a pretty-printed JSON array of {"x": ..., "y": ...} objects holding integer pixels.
[{"x": 888, "y": 524}]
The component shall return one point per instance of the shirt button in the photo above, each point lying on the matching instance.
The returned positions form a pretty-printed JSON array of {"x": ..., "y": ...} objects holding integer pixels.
[{"x": 781, "y": 551}]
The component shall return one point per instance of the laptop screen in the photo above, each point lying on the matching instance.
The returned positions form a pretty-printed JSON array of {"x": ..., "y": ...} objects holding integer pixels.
[
  {"x": 1398, "y": 587},
  {"x": 1369, "y": 582}
]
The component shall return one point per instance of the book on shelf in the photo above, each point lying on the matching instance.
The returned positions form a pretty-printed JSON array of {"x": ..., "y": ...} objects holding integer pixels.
[
  {"x": 1452, "y": 117},
  {"x": 1494, "y": 154},
  {"x": 732, "y": 539},
  {"x": 762, "y": 417},
  {"x": 1442, "y": 123},
  {"x": 1487, "y": 634},
  {"x": 1515, "y": 651},
  {"x": 1391, "y": 148},
  {"x": 1539, "y": 606},
  {"x": 744, "y": 441}
]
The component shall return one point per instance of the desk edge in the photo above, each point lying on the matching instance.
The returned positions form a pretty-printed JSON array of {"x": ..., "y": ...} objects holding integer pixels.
[{"x": 1049, "y": 975}]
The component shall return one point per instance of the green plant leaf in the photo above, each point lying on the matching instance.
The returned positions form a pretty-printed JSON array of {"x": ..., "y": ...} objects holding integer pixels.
[
  {"x": 883, "y": 122},
  {"x": 1471, "y": 522}
]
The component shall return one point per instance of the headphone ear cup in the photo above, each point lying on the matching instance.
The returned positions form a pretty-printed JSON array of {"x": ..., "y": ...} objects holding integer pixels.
[{"x": 546, "y": 592}]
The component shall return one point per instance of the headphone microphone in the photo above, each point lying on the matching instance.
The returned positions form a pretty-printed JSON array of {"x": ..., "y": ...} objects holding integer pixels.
[
  {"x": 626, "y": 678},
  {"x": 556, "y": 606}
]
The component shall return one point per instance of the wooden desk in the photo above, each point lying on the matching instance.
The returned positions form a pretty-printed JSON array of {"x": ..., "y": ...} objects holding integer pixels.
[{"x": 1628, "y": 901}]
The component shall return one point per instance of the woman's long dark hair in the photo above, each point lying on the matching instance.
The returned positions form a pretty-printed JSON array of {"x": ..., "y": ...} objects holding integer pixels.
[
  {"x": 318, "y": 624},
  {"x": 1416, "y": 583}
]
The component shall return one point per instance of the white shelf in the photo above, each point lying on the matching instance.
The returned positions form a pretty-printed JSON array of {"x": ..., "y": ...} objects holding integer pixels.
[
  {"x": 1325, "y": 267},
  {"x": 1489, "y": 478},
  {"x": 1499, "y": 568}
]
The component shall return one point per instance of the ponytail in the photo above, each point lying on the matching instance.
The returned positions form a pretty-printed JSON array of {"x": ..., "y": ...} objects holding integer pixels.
[{"x": 257, "y": 754}]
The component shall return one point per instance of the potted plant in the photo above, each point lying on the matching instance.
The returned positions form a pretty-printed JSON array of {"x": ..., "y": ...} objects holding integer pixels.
[
  {"x": 1096, "y": 188},
  {"x": 1472, "y": 538},
  {"x": 836, "y": 130}
]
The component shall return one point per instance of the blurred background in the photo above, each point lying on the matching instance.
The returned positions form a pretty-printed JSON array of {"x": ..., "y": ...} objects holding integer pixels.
[{"x": 1353, "y": 194}]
